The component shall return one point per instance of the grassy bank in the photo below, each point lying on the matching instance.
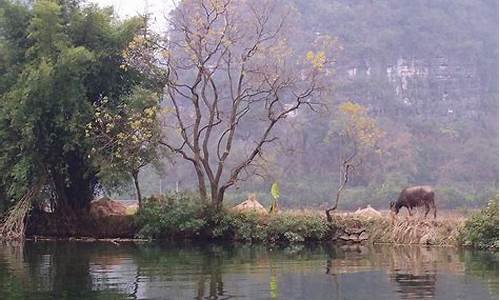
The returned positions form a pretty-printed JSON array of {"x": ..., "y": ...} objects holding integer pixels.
[{"x": 180, "y": 217}]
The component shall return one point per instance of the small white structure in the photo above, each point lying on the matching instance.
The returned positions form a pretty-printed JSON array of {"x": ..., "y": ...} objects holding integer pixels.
[
  {"x": 369, "y": 212},
  {"x": 250, "y": 205}
]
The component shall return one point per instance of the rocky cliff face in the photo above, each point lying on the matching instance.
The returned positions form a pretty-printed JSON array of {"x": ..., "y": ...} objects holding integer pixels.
[
  {"x": 432, "y": 59},
  {"x": 438, "y": 87}
]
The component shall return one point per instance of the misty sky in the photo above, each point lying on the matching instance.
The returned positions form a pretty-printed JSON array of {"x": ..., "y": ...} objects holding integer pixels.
[{"x": 159, "y": 8}]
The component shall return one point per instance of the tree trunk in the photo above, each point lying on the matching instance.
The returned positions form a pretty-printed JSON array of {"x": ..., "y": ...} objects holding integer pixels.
[
  {"x": 135, "y": 175},
  {"x": 345, "y": 175},
  {"x": 201, "y": 186},
  {"x": 214, "y": 189},
  {"x": 219, "y": 197}
]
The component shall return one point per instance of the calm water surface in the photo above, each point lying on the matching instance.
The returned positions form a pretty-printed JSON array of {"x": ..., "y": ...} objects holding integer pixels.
[{"x": 76, "y": 270}]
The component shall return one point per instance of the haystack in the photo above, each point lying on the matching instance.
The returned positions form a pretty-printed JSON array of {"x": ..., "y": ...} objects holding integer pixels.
[
  {"x": 131, "y": 209},
  {"x": 106, "y": 207},
  {"x": 368, "y": 212},
  {"x": 250, "y": 205}
]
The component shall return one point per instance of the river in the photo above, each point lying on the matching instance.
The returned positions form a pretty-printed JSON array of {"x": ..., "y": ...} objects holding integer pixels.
[{"x": 82, "y": 270}]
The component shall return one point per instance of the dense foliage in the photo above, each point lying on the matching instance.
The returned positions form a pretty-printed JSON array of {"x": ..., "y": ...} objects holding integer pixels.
[
  {"x": 481, "y": 229},
  {"x": 59, "y": 60},
  {"x": 182, "y": 216},
  {"x": 126, "y": 137},
  {"x": 171, "y": 215}
]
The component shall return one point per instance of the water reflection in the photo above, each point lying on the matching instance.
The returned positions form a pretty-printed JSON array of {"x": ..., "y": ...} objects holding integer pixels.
[
  {"x": 107, "y": 271},
  {"x": 415, "y": 286},
  {"x": 415, "y": 270}
]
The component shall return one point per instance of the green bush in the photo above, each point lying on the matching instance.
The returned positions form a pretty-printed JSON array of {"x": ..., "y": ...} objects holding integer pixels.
[
  {"x": 481, "y": 229},
  {"x": 292, "y": 229},
  {"x": 239, "y": 227},
  {"x": 180, "y": 215},
  {"x": 281, "y": 228},
  {"x": 170, "y": 216}
]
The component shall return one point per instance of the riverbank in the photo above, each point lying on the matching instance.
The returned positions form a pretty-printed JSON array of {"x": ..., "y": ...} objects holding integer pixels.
[
  {"x": 172, "y": 219},
  {"x": 284, "y": 228}
]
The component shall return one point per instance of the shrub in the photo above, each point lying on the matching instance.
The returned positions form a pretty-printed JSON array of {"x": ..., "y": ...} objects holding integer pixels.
[
  {"x": 180, "y": 215},
  {"x": 281, "y": 228},
  {"x": 481, "y": 229},
  {"x": 292, "y": 229},
  {"x": 170, "y": 216},
  {"x": 240, "y": 227}
]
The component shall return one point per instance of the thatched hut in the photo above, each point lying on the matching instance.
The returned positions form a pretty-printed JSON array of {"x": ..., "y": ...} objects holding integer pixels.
[
  {"x": 368, "y": 212},
  {"x": 250, "y": 205},
  {"x": 106, "y": 207}
]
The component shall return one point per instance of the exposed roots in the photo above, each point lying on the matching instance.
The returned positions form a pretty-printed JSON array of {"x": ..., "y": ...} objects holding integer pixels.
[{"x": 13, "y": 224}]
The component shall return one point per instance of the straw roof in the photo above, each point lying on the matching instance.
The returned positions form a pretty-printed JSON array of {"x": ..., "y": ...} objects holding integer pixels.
[
  {"x": 250, "y": 205},
  {"x": 368, "y": 212},
  {"x": 106, "y": 207}
]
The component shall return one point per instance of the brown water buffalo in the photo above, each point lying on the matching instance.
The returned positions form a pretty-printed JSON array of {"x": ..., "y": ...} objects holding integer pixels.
[{"x": 415, "y": 196}]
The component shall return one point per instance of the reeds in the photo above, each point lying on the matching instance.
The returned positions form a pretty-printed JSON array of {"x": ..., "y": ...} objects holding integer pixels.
[
  {"x": 402, "y": 230},
  {"x": 443, "y": 231}
]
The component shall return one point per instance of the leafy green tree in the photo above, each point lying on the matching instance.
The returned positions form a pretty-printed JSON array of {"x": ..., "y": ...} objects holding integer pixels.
[
  {"x": 126, "y": 137},
  {"x": 62, "y": 58}
]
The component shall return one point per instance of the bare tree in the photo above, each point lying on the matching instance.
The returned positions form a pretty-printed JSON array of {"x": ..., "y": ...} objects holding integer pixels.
[
  {"x": 348, "y": 163},
  {"x": 357, "y": 135},
  {"x": 226, "y": 62}
]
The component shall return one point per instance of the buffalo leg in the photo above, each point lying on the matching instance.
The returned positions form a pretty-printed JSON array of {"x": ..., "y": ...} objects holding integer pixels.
[
  {"x": 434, "y": 207},
  {"x": 409, "y": 211},
  {"x": 427, "y": 209}
]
